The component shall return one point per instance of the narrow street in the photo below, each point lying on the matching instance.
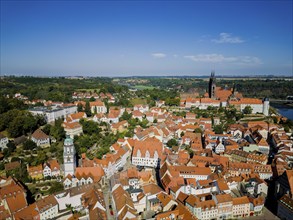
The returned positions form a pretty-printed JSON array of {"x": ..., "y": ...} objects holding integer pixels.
[{"x": 108, "y": 201}]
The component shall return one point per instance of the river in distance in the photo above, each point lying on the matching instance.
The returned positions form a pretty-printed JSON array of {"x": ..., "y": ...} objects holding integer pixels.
[{"x": 284, "y": 110}]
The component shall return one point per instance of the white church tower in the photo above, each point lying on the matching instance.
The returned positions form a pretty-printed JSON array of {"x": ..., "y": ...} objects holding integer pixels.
[
  {"x": 69, "y": 157},
  {"x": 266, "y": 106}
]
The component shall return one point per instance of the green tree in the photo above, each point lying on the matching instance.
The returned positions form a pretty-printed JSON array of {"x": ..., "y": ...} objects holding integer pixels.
[
  {"x": 47, "y": 129},
  {"x": 218, "y": 129},
  {"x": 172, "y": 142},
  {"x": 197, "y": 130},
  {"x": 29, "y": 145},
  {"x": 88, "y": 109},
  {"x": 92, "y": 99},
  {"x": 247, "y": 110},
  {"x": 125, "y": 116},
  {"x": 56, "y": 187},
  {"x": 90, "y": 127},
  {"x": 79, "y": 107}
]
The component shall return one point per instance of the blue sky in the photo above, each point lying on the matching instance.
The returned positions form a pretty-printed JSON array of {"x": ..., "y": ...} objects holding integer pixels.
[{"x": 116, "y": 38}]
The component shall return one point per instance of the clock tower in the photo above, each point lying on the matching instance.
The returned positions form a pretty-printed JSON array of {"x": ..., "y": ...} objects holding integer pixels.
[{"x": 69, "y": 157}]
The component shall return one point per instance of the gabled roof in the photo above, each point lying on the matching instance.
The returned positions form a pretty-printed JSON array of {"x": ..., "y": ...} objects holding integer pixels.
[
  {"x": 28, "y": 213},
  {"x": 16, "y": 202},
  {"x": 39, "y": 135},
  {"x": 46, "y": 203},
  {"x": 97, "y": 103}
]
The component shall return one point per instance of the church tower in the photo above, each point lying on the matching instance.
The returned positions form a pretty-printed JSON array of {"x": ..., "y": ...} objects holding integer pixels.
[
  {"x": 69, "y": 157},
  {"x": 212, "y": 85}
]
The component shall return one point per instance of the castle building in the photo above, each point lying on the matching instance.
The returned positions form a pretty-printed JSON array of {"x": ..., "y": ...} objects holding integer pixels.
[{"x": 69, "y": 157}]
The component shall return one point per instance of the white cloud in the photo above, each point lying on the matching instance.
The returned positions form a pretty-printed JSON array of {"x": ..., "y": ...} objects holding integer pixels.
[
  {"x": 158, "y": 55},
  {"x": 175, "y": 55},
  {"x": 219, "y": 58},
  {"x": 227, "y": 38}
]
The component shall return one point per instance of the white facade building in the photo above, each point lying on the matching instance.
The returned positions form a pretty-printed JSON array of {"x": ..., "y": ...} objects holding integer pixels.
[
  {"x": 55, "y": 113},
  {"x": 3, "y": 142}
]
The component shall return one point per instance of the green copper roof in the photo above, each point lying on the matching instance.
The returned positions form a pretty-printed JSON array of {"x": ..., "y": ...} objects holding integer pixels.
[{"x": 68, "y": 141}]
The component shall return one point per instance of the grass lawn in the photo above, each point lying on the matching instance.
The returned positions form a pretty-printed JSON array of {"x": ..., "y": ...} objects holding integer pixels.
[
  {"x": 142, "y": 87},
  {"x": 138, "y": 101}
]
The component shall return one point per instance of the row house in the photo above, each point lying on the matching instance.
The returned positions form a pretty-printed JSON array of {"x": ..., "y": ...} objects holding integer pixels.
[
  {"x": 241, "y": 207},
  {"x": 141, "y": 108},
  {"x": 113, "y": 162},
  {"x": 51, "y": 169},
  {"x": 236, "y": 168},
  {"x": 202, "y": 209},
  {"x": 35, "y": 172},
  {"x": 224, "y": 204},
  {"x": 84, "y": 176},
  {"x": 264, "y": 171},
  {"x": 256, "y": 205},
  {"x": 147, "y": 153}
]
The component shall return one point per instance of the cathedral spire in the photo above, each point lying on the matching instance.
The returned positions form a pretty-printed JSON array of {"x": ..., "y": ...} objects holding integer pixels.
[{"x": 212, "y": 85}]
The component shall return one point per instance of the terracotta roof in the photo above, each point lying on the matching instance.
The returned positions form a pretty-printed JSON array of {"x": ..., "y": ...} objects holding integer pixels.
[
  {"x": 192, "y": 200},
  {"x": 77, "y": 115},
  {"x": 28, "y": 213},
  {"x": 122, "y": 199},
  {"x": 132, "y": 173},
  {"x": 72, "y": 125},
  {"x": 257, "y": 201},
  {"x": 33, "y": 169},
  {"x": 16, "y": 202},
  {"x": 39, "y": 135},
  {"x": 91, "y": 200},
  {"x": 97, "y": 103},
  {"x": 46, "y": 203},
  {"x": 151, "y": 145},
  {"x": 54, "y": 164},
  {"x": 207, "y": 204},
  {"x": 12, "y": 165},
  {"x": 114, "y": 113},
  {"x": 250, "y": 101},
  {"x": 164, "y": 198},
  {"x": 95, "y": 172},
  {"x": 151, "y": 189},
  {"x": 240, "y": 200},
  {"x": 224, "y": 198},
  {"x": 222, "y": 185}
]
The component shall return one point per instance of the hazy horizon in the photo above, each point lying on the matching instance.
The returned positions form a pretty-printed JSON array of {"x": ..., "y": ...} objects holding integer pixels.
[{"x": 186, "y": 38}]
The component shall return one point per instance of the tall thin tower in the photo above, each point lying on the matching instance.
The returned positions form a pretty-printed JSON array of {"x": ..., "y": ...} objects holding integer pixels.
[
  {"x": 212, "y": 85},
  {"x": 69, "y": 157}
]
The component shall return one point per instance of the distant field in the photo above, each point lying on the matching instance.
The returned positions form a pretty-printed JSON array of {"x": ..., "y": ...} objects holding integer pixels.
[
  {"x": 138, "y": 101},
  {"x": 142, "y": 87}
]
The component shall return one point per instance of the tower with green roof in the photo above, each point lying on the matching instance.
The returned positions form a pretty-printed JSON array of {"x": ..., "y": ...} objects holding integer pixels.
[{"x": 69, "y": 156}]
